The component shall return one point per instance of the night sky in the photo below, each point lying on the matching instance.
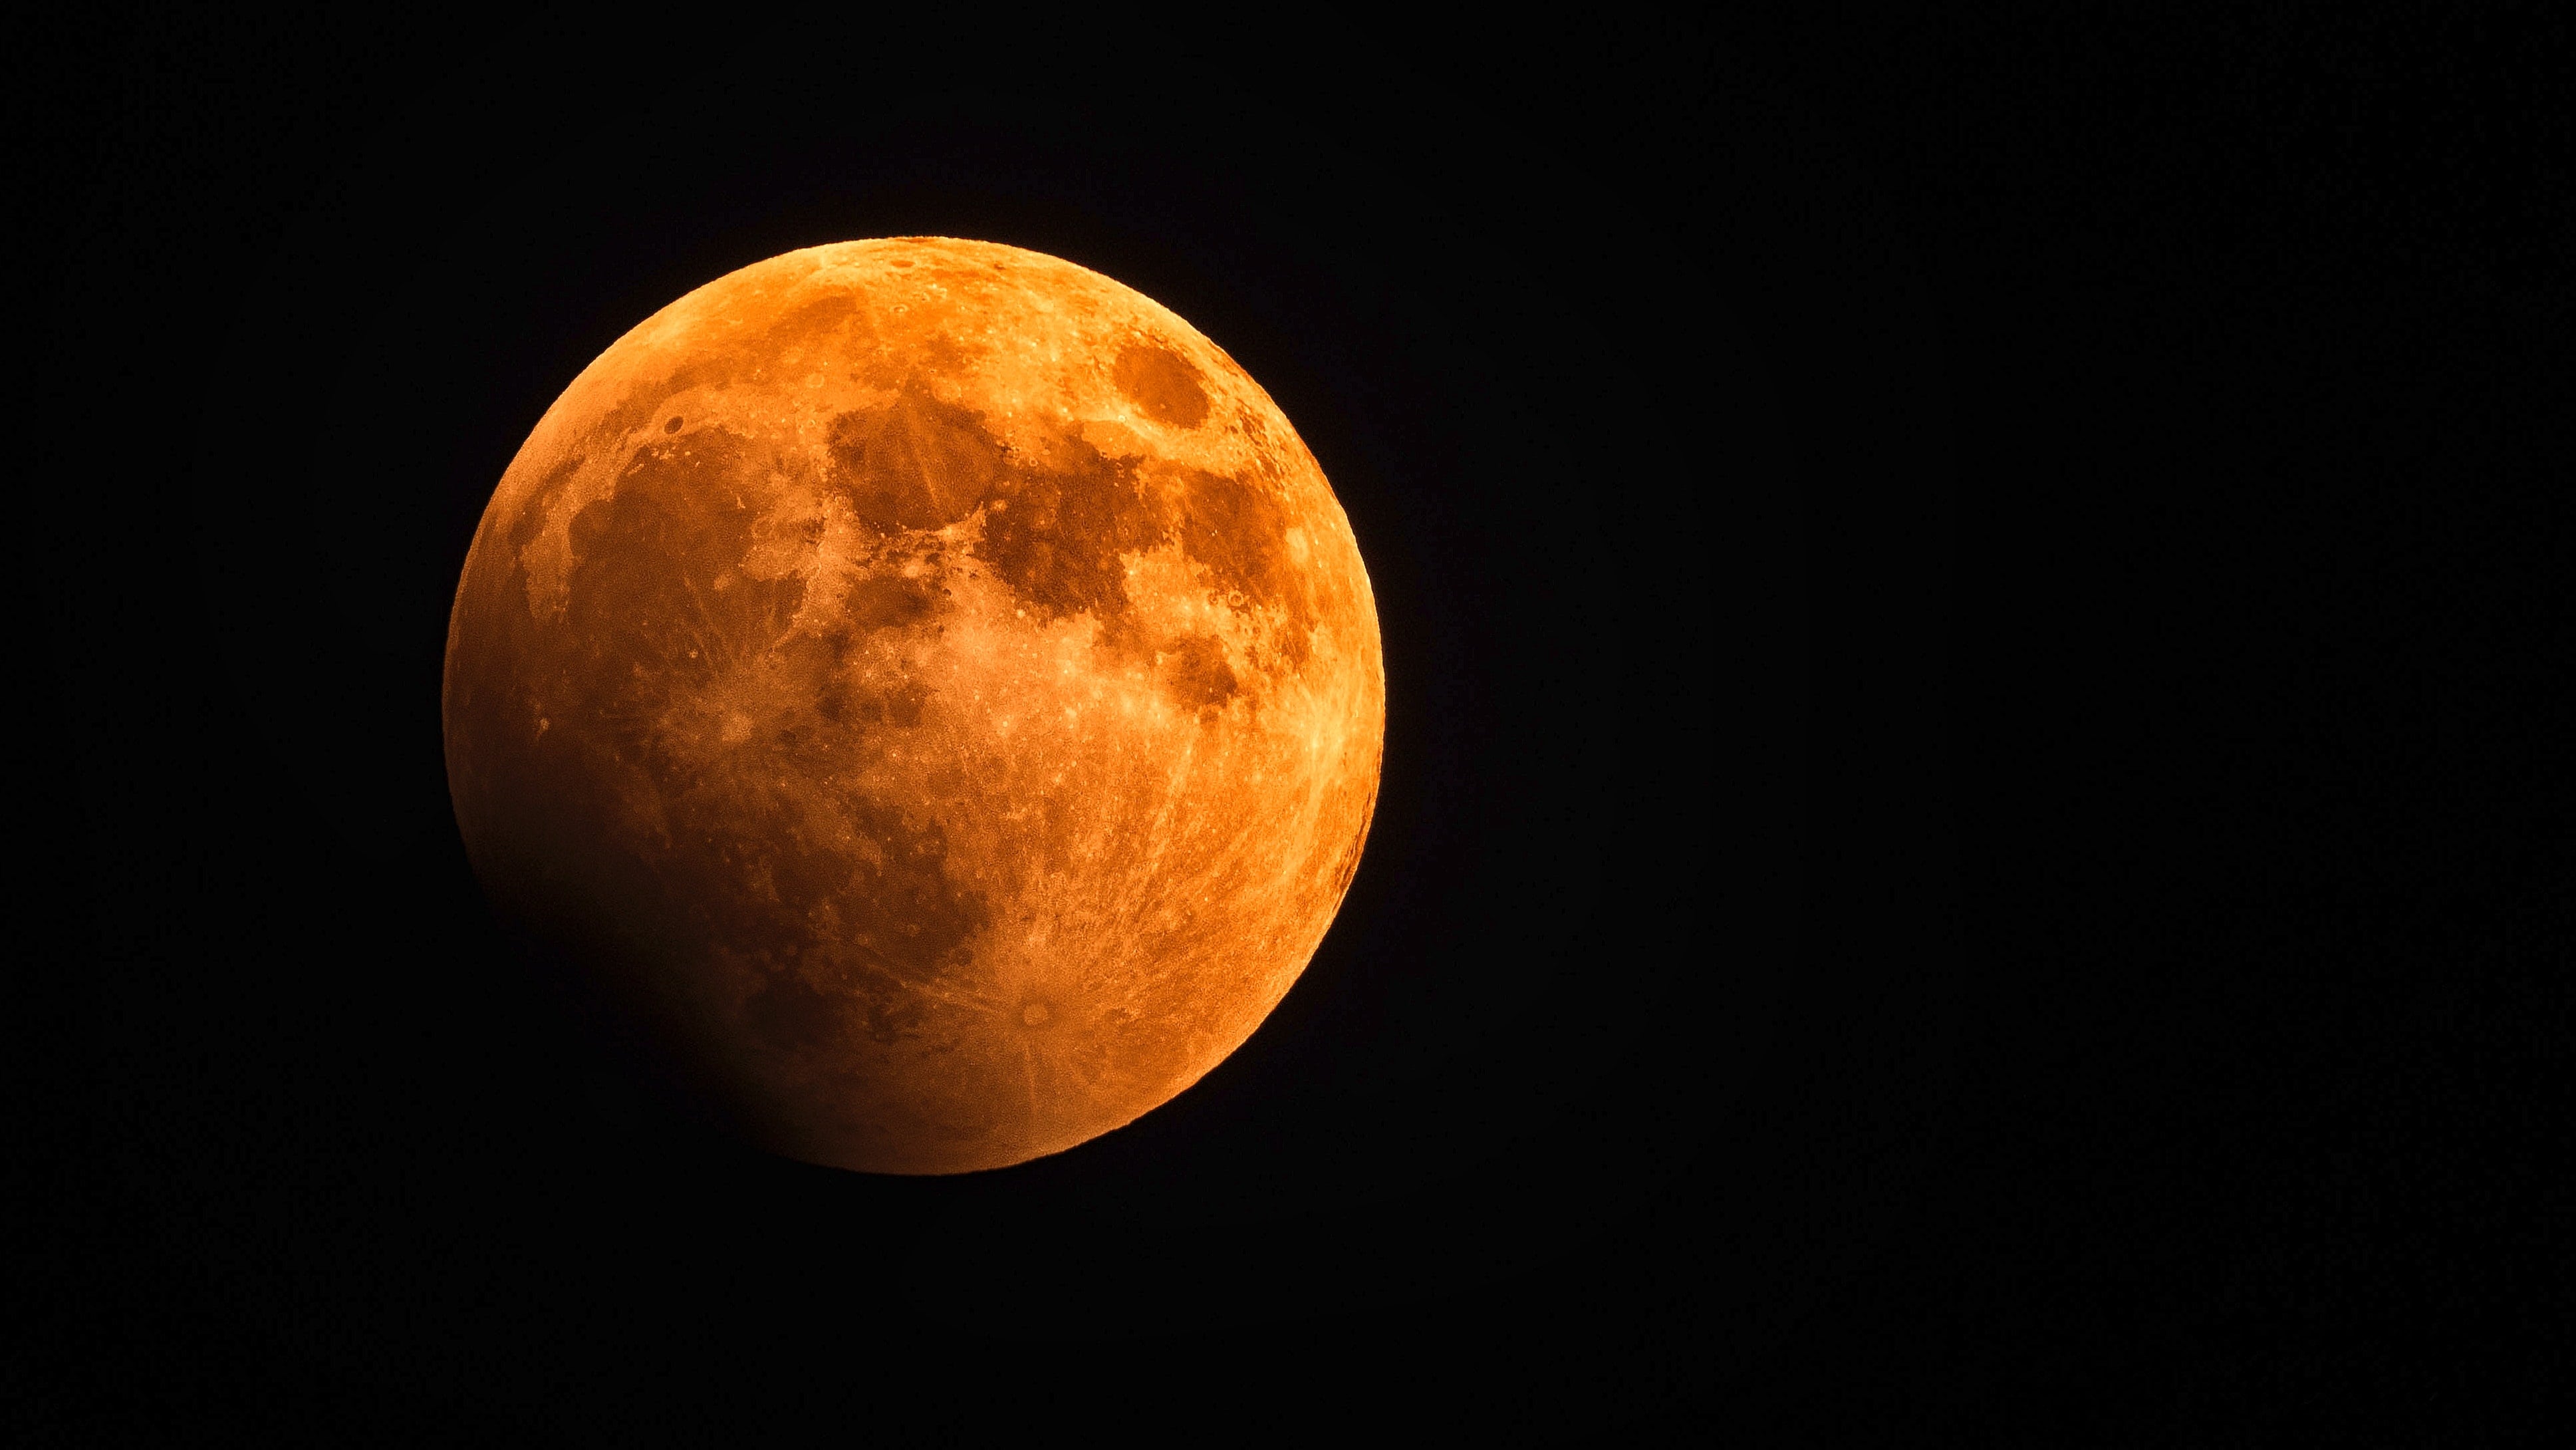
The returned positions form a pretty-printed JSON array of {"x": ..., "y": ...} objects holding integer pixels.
[{"x": 1978, "y": 834}]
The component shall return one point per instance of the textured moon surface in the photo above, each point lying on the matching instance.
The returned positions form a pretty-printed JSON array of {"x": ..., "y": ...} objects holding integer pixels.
[{"x": 930, "y": 688}]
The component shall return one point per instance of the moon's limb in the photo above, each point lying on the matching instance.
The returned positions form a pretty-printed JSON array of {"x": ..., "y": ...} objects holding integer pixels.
[{"x": 934, "y": 684}]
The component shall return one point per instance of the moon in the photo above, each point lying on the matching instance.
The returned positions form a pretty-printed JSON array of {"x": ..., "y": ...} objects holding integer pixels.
[{"x": 930, "y": 689}]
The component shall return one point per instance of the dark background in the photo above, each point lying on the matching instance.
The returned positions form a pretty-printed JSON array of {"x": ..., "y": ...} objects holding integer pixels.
[{"x": 1978, "y": 833}]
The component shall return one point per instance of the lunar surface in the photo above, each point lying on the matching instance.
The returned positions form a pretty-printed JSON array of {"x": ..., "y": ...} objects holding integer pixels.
[{"x": 930, "y": 688}]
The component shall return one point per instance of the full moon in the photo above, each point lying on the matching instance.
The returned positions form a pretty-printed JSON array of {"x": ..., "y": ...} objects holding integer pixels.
[{"x": 931, "y": 690}]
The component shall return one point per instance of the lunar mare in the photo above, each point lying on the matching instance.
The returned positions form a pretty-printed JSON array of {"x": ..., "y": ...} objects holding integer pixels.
[{"x": 931, "y": 687}]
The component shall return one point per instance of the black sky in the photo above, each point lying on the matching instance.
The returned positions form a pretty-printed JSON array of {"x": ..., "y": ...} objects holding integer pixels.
[{"x": 1977, "y": 837}]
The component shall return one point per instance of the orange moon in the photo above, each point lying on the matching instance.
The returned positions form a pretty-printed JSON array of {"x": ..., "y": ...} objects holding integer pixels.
[{"x": 931, "y": 688}]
